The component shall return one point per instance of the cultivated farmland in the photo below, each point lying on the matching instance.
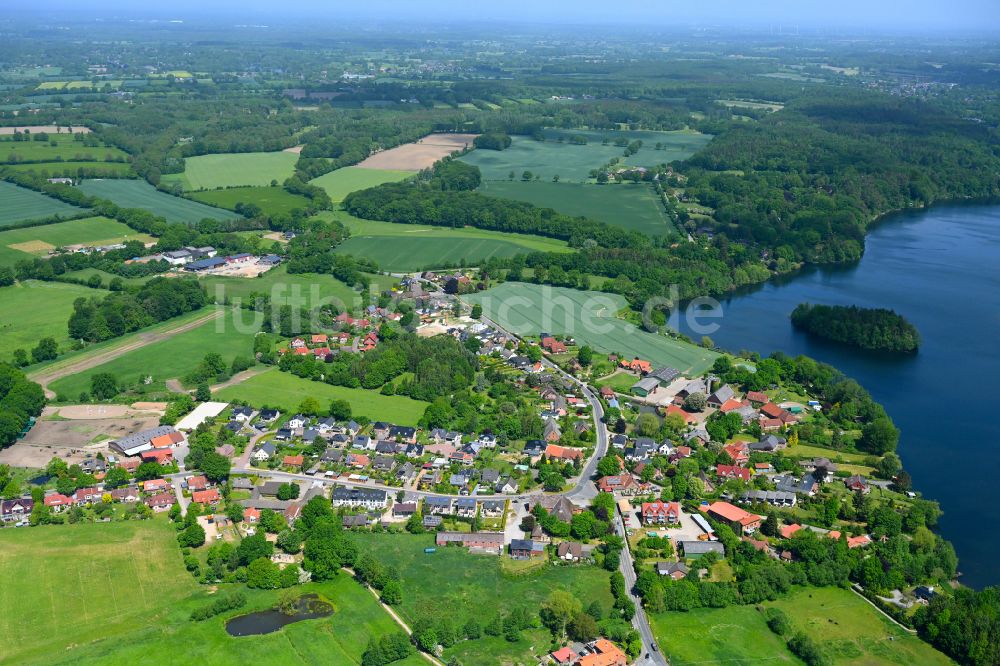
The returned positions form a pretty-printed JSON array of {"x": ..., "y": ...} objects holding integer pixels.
[
  {"x": 23, "y": 323},
  {"x": 630, "y": 206},
  {"x": 272, "y": 200},
  {"x": 341, "y": 182},
  {"x": 26, "y": 242},
  {"x": 209, "y": 172},
  {"x": 286, "y": 391},
  {"x": 168, "y": 359},
  {"x": 588, "y": 316},
  {"x": 23, "y": 205},
  {"x": 419, "y": 154},
  {"x": 140, "y": 194}
]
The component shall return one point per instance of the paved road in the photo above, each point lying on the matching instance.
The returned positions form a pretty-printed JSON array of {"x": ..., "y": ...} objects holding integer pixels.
[{"x": 639, "y": 621}]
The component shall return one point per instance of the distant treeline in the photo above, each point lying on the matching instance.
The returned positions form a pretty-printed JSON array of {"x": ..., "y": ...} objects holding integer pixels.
[{"x": 869, "y": 328}]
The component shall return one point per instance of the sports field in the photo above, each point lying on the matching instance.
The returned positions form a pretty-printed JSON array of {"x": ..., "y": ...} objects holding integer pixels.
[
  {"x": 71, "y": 169},
  {"x": 22, "y": 205},
  {"x": 208, "y": 172},
  {"x": 167, "y": 359},
  {"x": 630, "y": 206},
  {"x": 285, "y": 391},
  {"x": 271, "y": 200},
  {"x": 65, "y": 585},
  {"x": 140, "y": 194},
  {"x": 573, "y": 162},
  {"x": 301, "y": 289},
  {"x": 23, "y": 322},
  {"x": 341, "y": 182},
  {"x": 456, "y": 584},
  {"x": 848, "y": 630},
  {"x": 27, "y": 242},
  {"x": 67, "y": 148},
  {"x": 588, "y": 316}
]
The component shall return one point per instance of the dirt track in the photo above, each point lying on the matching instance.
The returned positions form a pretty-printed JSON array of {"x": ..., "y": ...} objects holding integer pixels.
[{"x": 49, "y": 375}]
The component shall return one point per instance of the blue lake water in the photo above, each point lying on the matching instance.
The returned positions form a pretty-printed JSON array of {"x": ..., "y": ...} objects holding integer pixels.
[{"x": 940, "y": 268}]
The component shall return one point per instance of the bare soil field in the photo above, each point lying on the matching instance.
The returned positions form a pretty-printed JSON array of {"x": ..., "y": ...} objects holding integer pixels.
[
  {"x": 293, "y": 149},
  {"x": 418, "y": 155},
  {"x": 35, "y": 129}
]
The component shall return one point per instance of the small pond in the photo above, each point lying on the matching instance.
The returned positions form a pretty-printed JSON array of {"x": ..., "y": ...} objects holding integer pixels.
[{"x": 308, "y": 607}]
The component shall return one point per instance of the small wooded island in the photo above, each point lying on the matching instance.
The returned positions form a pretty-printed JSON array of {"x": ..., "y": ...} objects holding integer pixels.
[{"x": 876, "y": 329}]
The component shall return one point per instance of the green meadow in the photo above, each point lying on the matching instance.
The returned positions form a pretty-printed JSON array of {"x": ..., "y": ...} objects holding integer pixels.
[
  {"x": 301, "y": 289},
  {"x": 341, "y": 182},
  {"x": 58, "y": 147},
  {"x": 632, "y": 206},
  {"x": 72, "y": 169},
  {"x": 286, "y": 391},
  {"x": 589, "y": 317},
  {"x": 23, "y": 205},
  {"x": 272, "y": 200},
  {"x": 27, "y": 242},
  {"x": 167, "y": 359},
  {"x": 23, "y": 322},
  {"x": 140, "y": 194},
  {"x": 209, "y": 172}
]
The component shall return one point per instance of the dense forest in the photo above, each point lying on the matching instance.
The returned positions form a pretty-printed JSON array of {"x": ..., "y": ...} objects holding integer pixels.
[
  {"x": 20, "y": 399},
  {"x": 877, "y": 329},
  {"x": 965, "y": 625},
  {"x": 118, "y": 313}
]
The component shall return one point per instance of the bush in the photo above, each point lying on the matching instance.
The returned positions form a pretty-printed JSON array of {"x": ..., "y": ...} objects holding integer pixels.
[
  {"x": 806, "y": 649},
  {"x": 778, "y": 622},
  {"x": 220, "y": 605}
]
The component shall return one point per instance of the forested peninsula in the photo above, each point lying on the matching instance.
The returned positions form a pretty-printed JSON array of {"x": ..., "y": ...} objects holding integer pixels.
[{"x": 876, "y": 329}]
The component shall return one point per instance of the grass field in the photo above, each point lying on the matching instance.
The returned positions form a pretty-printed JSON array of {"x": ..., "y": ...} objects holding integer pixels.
[
  {"x": 66, "y": 585},
  {"x": 209, "y": 172},
  {"x": 302, "y": 289},
  {"x": 286, "y": 391},
  {"x": 633, "y": 207},
  {"x": 573, "y": 162},
  {"x": 70, "y": 169},
  {"x": 589, "y": 317},
  {"x": 24, "y": 322},
  {"x": 21, "y": 205},
  {"x": 847, "y": 629},
  {"x": 341, "y": 182},
  {"x": 117, "y": 593},
  {"x": 66, "y": 148},
  {"x": 18, "y": 244},
  {"x": 453, "y": 583},
  {"x": 166, "y": 359},
  {"x": 140, "y": 194},
  {"x": 271, "y": 200}
]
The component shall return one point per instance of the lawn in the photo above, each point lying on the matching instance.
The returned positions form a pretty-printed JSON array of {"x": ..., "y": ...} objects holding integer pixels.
[
  {"x": 21, "y": 205},
  {"x": 630, "y": 206},
  {"x": 24, "y": 322},
  {"x": 209, "y": 172},
  {"x": 66, "y": 585},
  {"x": 588, "y": 316},
  {"x": 847, "y": 629},
  {"x": 573, "y": 162},
  {"x": 341, "y": 182},
  {"x": 271, "y": 200},
  {"x": 140, "y": 194},
  {"x": 67, "y": 148},
  {"x": 302, "y": 289},
  {"x": 285, "y": 391},
  {"x": 167, "y": 359},
  {"x": 620, "y": 381},
  {"x": 454, "y": 583},
  {"x": 24, "y": 243}
]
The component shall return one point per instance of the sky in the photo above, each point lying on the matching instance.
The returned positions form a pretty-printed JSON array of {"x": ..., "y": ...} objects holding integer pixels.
[{"x": 864, "y": 15}]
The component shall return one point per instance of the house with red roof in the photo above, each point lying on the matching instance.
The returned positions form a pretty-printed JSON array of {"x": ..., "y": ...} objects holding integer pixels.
[
  {"x": 623, "y": 484},
  {"x": 58, "y": 502},
  {"x": 788, "y": 531},
  {"x": 160, "y": 502},
  {"x": 741, "y": 521},
  {"x": 562, "y": 453},
  {"x": 293, "y": 461},
  {"x": 358, "y": 460},
  {"x": 733, "y": 472},
  {"x": 297, "y": 343},
  {"x": 603, "y": 653},
  {"x": 319, "y": 339},
  {"x": 758, "y": 397},
  {"x": 321, "y": 352},
  {"x": 563, "y": 656},
  {"x": 160, "y": 456},
  {"x": 208, "y": 497},
  {"x": 197, "y": 483},
  {"x": 250, "y": 515},
  {"x": 739, "y": 452},
  {"x": 661, "y": 513},
  {"x": 607, "y": 392},
  {"x": 689, "y": 419},
  {"x": 636, "y": 365},
  {"x": 155, "y": 485}
]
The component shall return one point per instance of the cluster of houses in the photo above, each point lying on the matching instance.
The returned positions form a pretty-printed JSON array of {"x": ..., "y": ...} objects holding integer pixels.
[{"x": 601, "y": 652}]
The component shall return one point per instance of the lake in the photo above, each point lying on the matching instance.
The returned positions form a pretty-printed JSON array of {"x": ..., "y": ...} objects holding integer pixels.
[{"x": 939, "y": 268}]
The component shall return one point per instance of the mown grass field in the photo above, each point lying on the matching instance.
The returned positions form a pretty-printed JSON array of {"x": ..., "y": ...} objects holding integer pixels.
[
  {"x": 629, "y": 206},
  {"x": 70, "y": 169},
  {"x": 24, "y": 243},
  {"x": 454, "y": 583},
  {"x": 573, "y": 162},
  {"x": 167, "y": 359},
  {"x": 22, "y": 205},
  {"x": 341, "y": 182},
  {"x": 271, "y": 200},
  {"x": 209, "y": 172},
  {"x": 66, "y": 148},
  {"x": 285, "y": 391},
  {"x": 117, "y": 593},
  {"x": 589, "y": 317},
  {"x": 24, "y": 322},
  {"x": 301, "y": 289},
  {"x": 848, "y": 630},
  {"x": 140, "y": 194}
]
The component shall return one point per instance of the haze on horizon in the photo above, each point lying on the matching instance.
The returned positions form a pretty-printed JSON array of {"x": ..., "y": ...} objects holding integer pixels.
[{"x": 925, "y": 16}]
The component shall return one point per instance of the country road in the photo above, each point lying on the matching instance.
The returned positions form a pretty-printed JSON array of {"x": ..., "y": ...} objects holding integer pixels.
[{"x": 87, "y": 361}]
